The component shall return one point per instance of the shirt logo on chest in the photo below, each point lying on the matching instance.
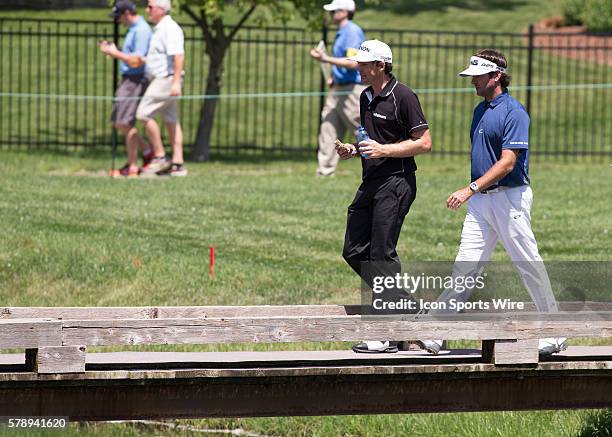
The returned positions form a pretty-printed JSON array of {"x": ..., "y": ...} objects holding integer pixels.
[{"x": 377, "y": 115}]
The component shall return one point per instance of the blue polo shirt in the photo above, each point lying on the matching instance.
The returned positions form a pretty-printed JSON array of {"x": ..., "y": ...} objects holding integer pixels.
[
  {"x": 347, "y": 42},
  {"x": 136, "y": 43},
  {"x": 500, "y": 124}
]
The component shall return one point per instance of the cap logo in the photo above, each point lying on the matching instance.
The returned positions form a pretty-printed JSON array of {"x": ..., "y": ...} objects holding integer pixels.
[{"x": 486, "y": 64}]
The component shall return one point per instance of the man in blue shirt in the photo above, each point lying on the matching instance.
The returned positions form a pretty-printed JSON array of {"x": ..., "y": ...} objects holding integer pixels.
[
  {"x": 133, "y": 82},
  {"x": 341, "y": 110},
  {"x": 499, "y": 197}
]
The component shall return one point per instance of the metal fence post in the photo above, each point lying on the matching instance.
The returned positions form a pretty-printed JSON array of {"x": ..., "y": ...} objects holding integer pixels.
[
  {"x": 323, "y": 86},
  {"x": 114, "y": 138},
  {"x": 529, "y": 68}
]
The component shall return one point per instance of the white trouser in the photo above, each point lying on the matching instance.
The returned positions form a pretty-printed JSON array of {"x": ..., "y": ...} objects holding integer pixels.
[{"x": 504, "y": 216}]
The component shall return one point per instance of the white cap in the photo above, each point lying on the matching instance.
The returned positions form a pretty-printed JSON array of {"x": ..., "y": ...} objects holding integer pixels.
[
  {"x": 336, "y": 5},
  {"x": 166, "y": 5},
  {"x": 373, "y": 50},
  {"x": 480, "y": 66}
]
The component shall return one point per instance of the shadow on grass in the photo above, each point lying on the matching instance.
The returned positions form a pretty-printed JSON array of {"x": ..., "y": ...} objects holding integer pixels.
[
  {"x": 415, "y": 6},
  {"x": 598, "y": 425},
  {"x": 74, "y": 152},
  {"x": 227, "y": 156},
  {"x": 262, "y": 156}
]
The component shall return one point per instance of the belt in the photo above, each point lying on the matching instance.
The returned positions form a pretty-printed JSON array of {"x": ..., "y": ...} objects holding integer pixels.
[
  {"x": 151, "y": 76},
  {"x": 495, "y": 189},
  {"x": 133, "y": 76}
]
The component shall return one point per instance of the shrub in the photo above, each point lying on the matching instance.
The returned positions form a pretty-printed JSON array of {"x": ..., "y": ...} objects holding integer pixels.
[
  {"x": 572, "y": 11},
  {"x": 596, "y": 15}
]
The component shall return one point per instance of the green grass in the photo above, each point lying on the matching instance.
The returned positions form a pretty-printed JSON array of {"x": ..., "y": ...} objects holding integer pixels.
[
  {"x": 278, "y": 232},
  {"x": 545, "y": 424},
  {"x": 73, "y": 237}
]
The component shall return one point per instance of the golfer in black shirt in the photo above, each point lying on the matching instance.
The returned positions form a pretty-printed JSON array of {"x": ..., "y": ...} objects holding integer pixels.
[{"x": 392, "y": 116}]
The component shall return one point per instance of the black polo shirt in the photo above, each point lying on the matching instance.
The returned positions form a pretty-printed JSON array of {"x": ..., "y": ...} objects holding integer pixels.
[{"x": 390, "y": 117}]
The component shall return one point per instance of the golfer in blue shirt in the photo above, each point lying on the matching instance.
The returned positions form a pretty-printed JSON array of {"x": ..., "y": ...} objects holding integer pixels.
[{"x": 499, "y": 197}]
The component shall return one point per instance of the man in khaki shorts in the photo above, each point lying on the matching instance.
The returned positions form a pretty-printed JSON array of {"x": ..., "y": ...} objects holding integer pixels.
[
  {"x": 341, "y": 110},
  {"x": 164, "y": 64}
]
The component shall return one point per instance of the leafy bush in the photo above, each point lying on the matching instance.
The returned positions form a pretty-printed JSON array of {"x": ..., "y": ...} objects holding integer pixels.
[
  {"x": 596, "y": 15},
  {"x": 572, "y": 11}
]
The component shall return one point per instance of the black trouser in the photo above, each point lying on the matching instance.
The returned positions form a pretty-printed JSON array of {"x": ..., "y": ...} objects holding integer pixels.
[{"x": 374, "y": 223}]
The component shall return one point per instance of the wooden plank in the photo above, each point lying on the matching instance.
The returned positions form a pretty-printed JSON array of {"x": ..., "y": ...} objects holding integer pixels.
[
  {"x": 181, "y": 360},
  {"x": 302, "y": 363},
  {"x": 296, "y": 329},
  {"x": 503, "y": 352},
  {"x": 29, "y": 333},
  {"x": 445, "y": 370},
  {"x": 385, "y": 389},
  {"x": 59, "y": 359},
  {"x": 177, "y": 312},
  {"x": 590, "y": 356}
]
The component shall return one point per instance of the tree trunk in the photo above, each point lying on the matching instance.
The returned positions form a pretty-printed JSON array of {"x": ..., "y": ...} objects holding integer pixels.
[{"x": 201, "y": 148}]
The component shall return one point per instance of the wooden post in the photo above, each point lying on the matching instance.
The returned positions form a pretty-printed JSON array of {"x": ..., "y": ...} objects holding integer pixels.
[
  {"x": 504, "y": 352},
  {"x": 56, "y": 359}
]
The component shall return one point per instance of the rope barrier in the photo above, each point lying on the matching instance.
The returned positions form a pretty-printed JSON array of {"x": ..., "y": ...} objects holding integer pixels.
[{"x": 558, "y": 87}]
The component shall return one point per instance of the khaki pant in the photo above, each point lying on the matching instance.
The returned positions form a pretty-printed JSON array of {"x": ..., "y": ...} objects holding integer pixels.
[{"x": 341, "y": 112}]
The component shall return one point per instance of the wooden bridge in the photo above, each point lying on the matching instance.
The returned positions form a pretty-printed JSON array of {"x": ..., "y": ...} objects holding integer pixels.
[{"x": 57, "y": 377}]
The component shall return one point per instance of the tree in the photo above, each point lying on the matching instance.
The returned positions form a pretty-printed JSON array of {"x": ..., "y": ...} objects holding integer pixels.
[{"x": 210, "y": 16}]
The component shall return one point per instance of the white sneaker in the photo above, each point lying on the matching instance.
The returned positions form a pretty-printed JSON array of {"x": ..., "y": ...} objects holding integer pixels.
[
  {"x": 549, "y": 346},
  {"x": 431, "y": 346},
  {"x": 375, "y": 347}
]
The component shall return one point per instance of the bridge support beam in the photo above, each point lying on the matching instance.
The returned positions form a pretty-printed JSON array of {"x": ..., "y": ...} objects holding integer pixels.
[{"x": 304, "y": 394}]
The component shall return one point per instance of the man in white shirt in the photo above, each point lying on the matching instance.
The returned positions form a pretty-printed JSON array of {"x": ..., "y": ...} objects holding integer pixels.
[{"x": 164, "y": 65}]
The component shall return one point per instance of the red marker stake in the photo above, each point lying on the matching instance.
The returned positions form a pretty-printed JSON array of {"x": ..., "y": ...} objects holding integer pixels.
[{"x": 212, "y": 262}]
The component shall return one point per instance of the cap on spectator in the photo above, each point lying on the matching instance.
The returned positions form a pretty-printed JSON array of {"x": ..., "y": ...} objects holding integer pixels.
[
  {"x": 480, "y": 66},
  {"x": 166, "y": 5},
  {"x": 336, "y": 5},
  {"x": 120, "y": 7},
  {"x": 373, "y": 50}
]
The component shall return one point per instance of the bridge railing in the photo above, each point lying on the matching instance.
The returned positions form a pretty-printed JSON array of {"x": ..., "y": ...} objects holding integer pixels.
[{"x": 56, "y": 339}]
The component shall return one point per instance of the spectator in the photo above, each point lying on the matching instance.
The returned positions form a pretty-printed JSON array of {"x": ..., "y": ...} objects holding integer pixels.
[
  {"x": 133, "y": 82},
  {"x": 165, "y": 62},
  {"x": 341, "y": 110}
]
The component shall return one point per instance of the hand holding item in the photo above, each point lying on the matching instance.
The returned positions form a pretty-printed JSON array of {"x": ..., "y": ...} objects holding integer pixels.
[
  {"x": 345, "y": 151},
  {"x": 316, "y": 54},
  {"x": 108, "y": 48},
  {"x": 135, "y": 61},
  {"x": 371, "y": 149}
]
